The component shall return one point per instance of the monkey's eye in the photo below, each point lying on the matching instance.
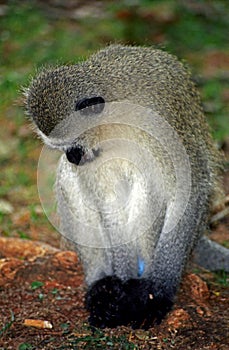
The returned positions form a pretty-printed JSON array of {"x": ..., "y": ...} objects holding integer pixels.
[
  {"x": 74, "y": 155},
  {"x": 93, "y": 105}
]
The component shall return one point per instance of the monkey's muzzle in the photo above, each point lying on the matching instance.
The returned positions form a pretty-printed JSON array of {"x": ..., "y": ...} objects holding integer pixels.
[{"x": 79, "y": 155}]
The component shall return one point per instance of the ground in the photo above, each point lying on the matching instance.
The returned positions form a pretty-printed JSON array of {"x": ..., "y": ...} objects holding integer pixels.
[{"x": 41, "y": 283}]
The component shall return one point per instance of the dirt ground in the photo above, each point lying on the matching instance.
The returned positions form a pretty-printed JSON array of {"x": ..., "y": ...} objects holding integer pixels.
[{"x": 41, "y": 283}]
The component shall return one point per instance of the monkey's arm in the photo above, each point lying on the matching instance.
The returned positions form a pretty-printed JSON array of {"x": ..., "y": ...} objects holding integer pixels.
[
  {"x": 211, "y": 255},
  {"x": 172, "y": 252}
]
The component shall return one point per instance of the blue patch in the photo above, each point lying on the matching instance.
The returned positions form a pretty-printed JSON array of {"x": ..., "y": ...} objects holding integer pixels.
[{"x": 141, "y": 266}]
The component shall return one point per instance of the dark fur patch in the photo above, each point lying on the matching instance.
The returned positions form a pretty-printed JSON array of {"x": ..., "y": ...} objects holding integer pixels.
[
  {"x": 75, "y": 154},
  {"x": 112, "y": 302}
]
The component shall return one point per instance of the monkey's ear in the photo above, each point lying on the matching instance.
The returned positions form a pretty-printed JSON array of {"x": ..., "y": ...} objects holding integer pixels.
[{"x": 92, "y": 105}]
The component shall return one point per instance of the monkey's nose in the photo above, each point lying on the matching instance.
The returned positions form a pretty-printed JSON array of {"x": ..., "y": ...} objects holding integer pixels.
[{"x": 79, "y": 155}]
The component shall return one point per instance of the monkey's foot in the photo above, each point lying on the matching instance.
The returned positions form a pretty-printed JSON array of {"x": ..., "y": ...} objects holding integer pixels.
[{"x": 112, "y": 302}]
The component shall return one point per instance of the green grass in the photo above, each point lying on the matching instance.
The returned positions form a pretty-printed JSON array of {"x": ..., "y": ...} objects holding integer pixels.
[
  {"x": 217, "y": 109},
  {"x": 26, "y": 346},
  {"x": 7, "y": 325},
  {"x": 222, "y": 278},
  {"x": 30, "y": 40},
  {"x": 201, "y": 30},
  {"x": 99, "y": 340}
]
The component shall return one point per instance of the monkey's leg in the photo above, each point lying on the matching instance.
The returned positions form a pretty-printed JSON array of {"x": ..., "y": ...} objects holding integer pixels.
[
  {"x": 142, "y": 301},
  {"x": 171, "y": 255},
  {"x": 211, "y": 255}
]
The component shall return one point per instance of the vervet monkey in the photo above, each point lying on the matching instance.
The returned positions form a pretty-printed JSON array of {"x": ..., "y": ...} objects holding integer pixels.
[{"x": 136, "y": 181}]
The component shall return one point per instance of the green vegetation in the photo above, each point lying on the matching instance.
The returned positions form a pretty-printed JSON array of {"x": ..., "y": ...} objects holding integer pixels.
[
  {"x": 26, "y": 346},
  {"x": 30, "y": 39},
  {"x": 222, "y": 278},
  {"x": 36, "y": 284},
  {"x": 215, "y": 107},
  {"x": 99, "y": 340},
  {"x": 7, "y": 325}
]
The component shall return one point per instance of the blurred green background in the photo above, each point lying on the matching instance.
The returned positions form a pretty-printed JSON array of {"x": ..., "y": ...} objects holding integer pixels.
[{"x": 38, "y": 33}]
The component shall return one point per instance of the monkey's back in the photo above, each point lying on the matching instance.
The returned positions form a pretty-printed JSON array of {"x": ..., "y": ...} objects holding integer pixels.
[{"x": 156, "y": 79}]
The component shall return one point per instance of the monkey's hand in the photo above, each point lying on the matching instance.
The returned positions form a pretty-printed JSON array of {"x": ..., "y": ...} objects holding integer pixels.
[{"x": 112, "y": 302}]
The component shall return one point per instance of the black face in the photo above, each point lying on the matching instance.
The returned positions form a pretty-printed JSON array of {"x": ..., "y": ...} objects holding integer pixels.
[
  {"x": 86, "y": 106},
  {"x": 75, "y": 154},
  {"x": 92, "y": 105}
]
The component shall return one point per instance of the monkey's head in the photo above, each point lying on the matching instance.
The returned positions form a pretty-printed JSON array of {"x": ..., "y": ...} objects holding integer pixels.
[
  {"x": 117, "y": 73},
  {"x": 57, "y": 98},
  {"x": 56, "y": 93}
]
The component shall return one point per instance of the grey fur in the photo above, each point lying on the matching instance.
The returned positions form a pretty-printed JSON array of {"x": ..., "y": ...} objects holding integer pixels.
[
  {"x": 153, "y": 79},
  {"x": 211, "y": 255}
]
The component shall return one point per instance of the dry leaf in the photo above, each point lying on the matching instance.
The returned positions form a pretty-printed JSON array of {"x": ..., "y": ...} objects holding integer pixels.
[{"x": 37, "y": 323}]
